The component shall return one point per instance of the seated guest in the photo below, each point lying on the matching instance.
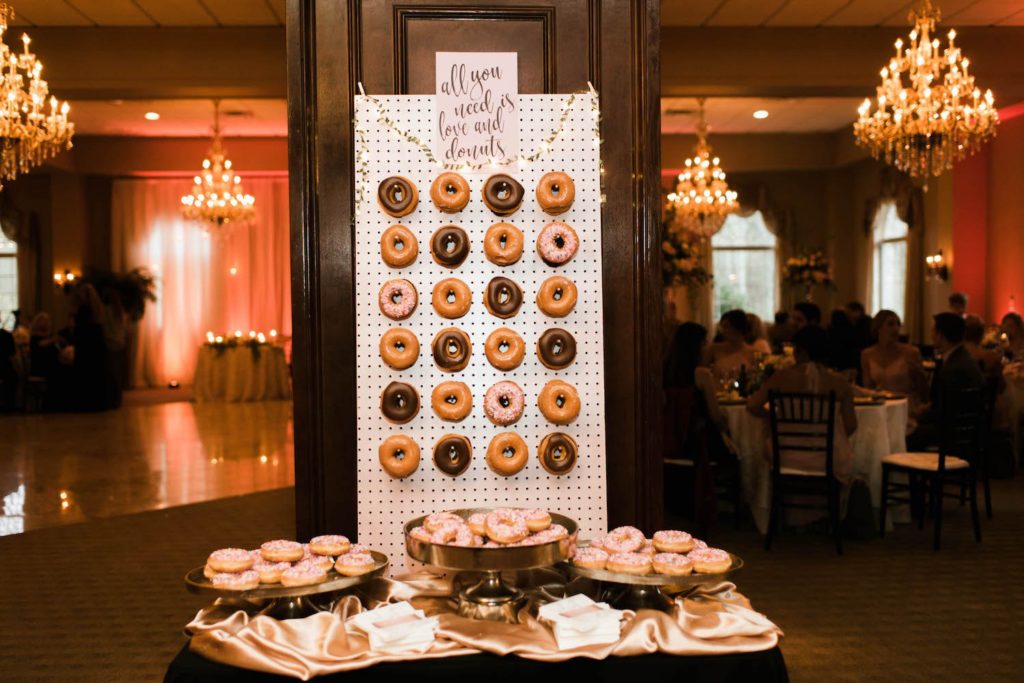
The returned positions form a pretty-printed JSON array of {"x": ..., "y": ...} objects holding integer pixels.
[
  {"x": 989, "y": 360},
  {"x": 891, "y": 365},
  {"x": 805, "y": 313},
  {"x": 843, "y": 354},
  {"x": 756, "y": 337},
  {"x": 1013, "y": 327},
  {"x": 684, "y": 369},
  {"x": 956, "y": 371},
  {"x": 809, "y": 375},
  {"x": 781, "y": 331},
  {"x": 42, "y": 347},
  {"x": 958, "y": 303},
  {"x": 733, "y": 351},
  {"x": 861, "y": 322}
]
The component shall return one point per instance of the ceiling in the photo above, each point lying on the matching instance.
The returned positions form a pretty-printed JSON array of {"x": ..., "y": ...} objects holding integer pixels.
[
  {"x": 835, "y": 12},
  {"x": 731, "y": 115},
  {"x": 180, "y": 118},
  {"x": 148, "y": 12}
]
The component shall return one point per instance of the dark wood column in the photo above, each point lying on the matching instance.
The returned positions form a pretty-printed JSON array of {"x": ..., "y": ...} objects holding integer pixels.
[{"x": 388, "y": 46}]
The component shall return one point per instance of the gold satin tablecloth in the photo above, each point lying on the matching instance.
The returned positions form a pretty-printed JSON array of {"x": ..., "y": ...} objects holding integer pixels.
[{"x": 713, "y": 620}]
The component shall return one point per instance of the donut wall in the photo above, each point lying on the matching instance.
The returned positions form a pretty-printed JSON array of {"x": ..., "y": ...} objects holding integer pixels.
[{"x": 386, "y": 502}]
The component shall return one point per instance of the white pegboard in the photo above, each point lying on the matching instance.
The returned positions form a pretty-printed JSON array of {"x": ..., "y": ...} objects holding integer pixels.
[{"x": 385, "y": 504}]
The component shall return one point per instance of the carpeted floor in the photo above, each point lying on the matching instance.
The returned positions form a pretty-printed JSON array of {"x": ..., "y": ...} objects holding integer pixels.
[{"x": 103, "y": 601}]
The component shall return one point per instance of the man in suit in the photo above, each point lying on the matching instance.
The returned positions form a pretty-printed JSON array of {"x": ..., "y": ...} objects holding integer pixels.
[{"x": 956, "y": 371}]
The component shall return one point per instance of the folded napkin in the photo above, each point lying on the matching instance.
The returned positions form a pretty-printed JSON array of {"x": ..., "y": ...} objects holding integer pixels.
[
  {"x": 397, "y": 627},
  {"x": 578, "y": 621}
]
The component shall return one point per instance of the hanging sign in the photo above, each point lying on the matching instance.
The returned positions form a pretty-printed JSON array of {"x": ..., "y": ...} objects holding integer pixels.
[{"x": 476, "y": 110}]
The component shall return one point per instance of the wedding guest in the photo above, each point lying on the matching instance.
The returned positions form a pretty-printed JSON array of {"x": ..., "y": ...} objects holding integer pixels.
[
  {"x": 809, "y": 375},
  {"x": 956, "y": 371},
  {"x": 843, "y": 354},
  {"x": 756, "y": 337},
  {"x": 684, "y": 368},
  {"x": 805, "y": 313},
  {"x": 43, "y": 347},
  {"x": 891, "y": 365},
  {"x": 861, "y": 322},
  {"x": 958, "y": 303},
  {"x": 1013, "y": 327},
  {"x": 733, "y": 352},
  {"x": 989, "y": 360},
  {"x": 781, "y": 331}
]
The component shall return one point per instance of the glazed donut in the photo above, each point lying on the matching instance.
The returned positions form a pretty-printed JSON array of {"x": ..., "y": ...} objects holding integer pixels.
[
  {"x": 502, "y": 194},
  {"x": 555, "y": 192},
  {"x": 504, "y": 403},
  {"x": 399, "y": 456},
  {"x": 437, "y": 520},
  {"x": 452, "y": 349},
  {"x": 672, "y": 564},
  {"x": 236, "y": 581},
  {"x": 623, "y": 539},
  {"x": 398, "y": 246},
  {"x": 537, "y": 520},
  {"x": 629, "y": 563},
  {"x": 507, "y": 454},
  {"x": 556, "y": 296},
  {"x": 559, "y": 402},
  {"x": 397, "y": 196},
  {"x": 303, "y": 574},
  {"x": 451, "y": 298},
  {"x": 555, "y": 532},
  {"x": 454, "y": 533},
  {"x": 505, "y": 349},
  {"x": 420, "y": 534},
  {"x": 399, "y": 403},
  {"x": 355, "y": 564},
  {"x": 325, "y": 562},
  {"x": 397, "y": 299},
  {"x": 229, "y": 560},
  {"x": 449, "y": 245},
  {"x": 590, "y": 558},
  {"x": 503, "y": 244},
  {"x": 556, "y": 349},
  {"x": 557, "y": 243},
  {"x": 449, "y": 192},
  {"x": 503, "y": 297},
  {"x": 710, "y": 560},
  {"x": 505, "y": 526},
  {"x": 329, "y": 545},
  {"x": 672, "y": 541},
  {"x": 557, "y": 453},
  {"x": 648, "y": 549},
  {"x": 399, "y": 348},
  {"x": 452, "y": 454},
  {"x": 270, "y": 572},
  {"x": 476, "y": 523},
  {"x": 209, "y": 572},
  {"x": 452, "y": 401},
  {"x": 281, "y": 551}
]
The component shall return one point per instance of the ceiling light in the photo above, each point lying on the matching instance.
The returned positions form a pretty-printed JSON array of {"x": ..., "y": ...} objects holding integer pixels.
[
  {"x": 152, "y": 116},
  {"x": 761, "y": 114}
]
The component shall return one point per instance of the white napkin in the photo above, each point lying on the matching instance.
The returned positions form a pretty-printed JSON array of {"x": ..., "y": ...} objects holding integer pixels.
[
  {"x": 397, "y": 628},
  {"x": 578, "y": 621}
]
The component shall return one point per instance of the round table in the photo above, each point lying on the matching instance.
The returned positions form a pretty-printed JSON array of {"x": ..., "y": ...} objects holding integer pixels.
[
  {"x": 241, "y": 373},
  {"x": 881, "y": 430}
]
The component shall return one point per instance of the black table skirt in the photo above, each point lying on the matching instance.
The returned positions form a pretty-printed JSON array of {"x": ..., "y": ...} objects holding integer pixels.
[{"x": 767, "y": 666}]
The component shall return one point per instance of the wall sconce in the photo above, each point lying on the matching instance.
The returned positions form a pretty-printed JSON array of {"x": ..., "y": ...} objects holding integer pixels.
[
  {"x": 935, "y": 267},
  {"x": 65, "y": 281}
]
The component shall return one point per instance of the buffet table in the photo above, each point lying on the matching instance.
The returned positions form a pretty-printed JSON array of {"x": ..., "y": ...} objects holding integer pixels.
[
  {"x": 240, "y": 373},
  {"x": 881, "y": 430}
]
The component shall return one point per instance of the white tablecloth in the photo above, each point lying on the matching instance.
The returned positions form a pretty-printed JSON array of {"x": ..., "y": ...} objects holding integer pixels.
[
  {"x": 240, "y": 374},
  {"x": 881, "y": 430}
]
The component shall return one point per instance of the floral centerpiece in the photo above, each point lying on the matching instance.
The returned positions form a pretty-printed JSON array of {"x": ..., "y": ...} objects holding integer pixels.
[
  {"x": 680, "y": 264},
  {"x": 809, "y": 271}
]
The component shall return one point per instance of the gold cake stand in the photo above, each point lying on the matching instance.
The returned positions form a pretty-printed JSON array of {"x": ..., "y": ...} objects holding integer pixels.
[
  {"x": 491, "y": 598},
  {"x": 650, "y": 591},
  {"x": 284, "y": 602}
]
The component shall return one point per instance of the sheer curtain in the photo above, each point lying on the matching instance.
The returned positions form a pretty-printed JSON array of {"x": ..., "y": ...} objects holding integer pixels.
[{"x": 238, "y": 282}]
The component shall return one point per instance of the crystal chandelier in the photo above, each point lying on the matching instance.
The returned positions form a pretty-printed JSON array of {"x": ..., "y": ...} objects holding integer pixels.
[
  {"x": 702, "y": 198},
  {"x": 31, "y": 131},
  {"x": 217, "y": 198},
  {"x": 934, "y": 118}
]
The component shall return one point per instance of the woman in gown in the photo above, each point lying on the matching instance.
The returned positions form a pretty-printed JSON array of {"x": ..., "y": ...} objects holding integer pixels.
[{"x": 890, "y": 365}]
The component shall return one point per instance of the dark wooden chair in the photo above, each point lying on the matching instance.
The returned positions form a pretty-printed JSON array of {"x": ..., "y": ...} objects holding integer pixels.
[
  {"x": 955, "y": 463},
  {"x": 802, "y": 422}
]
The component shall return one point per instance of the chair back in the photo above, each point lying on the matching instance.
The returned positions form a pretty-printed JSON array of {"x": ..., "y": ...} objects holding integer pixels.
[
  {"x": 964, "y": 414},
  {"x": 802, "y": 422}
]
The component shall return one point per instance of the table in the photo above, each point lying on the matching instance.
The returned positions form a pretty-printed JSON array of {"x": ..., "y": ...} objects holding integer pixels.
[
  {"x": 766, "y": 666},
  {"x": 241, "y": 373},
  {"x": 881, "y": 430}
]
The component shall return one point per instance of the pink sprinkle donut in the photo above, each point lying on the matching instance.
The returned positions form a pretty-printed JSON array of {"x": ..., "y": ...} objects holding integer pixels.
[
  {"x": 332, "y": 544},
  {"x": 504, "y": 526},
  {"x": 672, "y": 564},
  {"x": 710, "y": 560},
  {"x": 453, "y": 533},
  {"x": 324, "y": 562},
  {"x": 240, "y": 581},
  {"x": 282, "y": 551},
  {"x": 420, "y": 534},
  {"x": 303, "y": 574},
  {"x": 504, "y": 403},
  {"x": 435, "y": 521},
  {"x": 354, "y": 564},
  {"x": 625, "y": 539},
  {"x": 590, "y": 558},
  {"x": 629, "y": 563},
  {"x": 554, "y": 532},
  {"x": 476, "y": 523},
  {"x": 230, "y": 560},
  {"x": 648, "y": 549},
  {"x": 557, "y": 243},
  {"x": 673, "y": 541},
  {"x": 538, "y": 519},
  {"x": 358, "y": 549},
  {"x": 397, "y": 299},
  {"x": 270, "y": 572}
]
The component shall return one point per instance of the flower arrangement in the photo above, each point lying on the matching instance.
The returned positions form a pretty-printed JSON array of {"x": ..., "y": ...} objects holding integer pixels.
[
  {"x": 680, "y": 263},
  {"x": 808, "y": 269}
]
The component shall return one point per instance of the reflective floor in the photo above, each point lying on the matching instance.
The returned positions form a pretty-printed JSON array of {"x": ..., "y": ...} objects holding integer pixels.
[{"x": 64, "y": 468}]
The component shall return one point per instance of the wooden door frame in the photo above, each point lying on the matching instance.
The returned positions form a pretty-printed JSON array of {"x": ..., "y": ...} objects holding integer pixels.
[{"x": 322, "y": 76}]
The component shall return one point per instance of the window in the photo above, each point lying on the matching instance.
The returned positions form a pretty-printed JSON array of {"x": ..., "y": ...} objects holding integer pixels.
[
  {"x": 889, "y": 261},
  {"x": 743, "y": 261},
  {"x": 8, "y": 279}
]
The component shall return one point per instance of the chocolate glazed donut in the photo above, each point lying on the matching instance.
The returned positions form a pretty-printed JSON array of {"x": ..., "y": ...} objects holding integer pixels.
[
  {"x": 449, "y": 246},
  {"x": 557, "y": 453},
  {"x": 556, "y": 348},
  {"x": 397, "y": 196},
  {"x": 452, "y": 349},
  {"x": 399, "y": 402},
  {"x": 503, "y": 297},
  {"x": 503, "y": 194},
  {"x": 452, "y": 454}
]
